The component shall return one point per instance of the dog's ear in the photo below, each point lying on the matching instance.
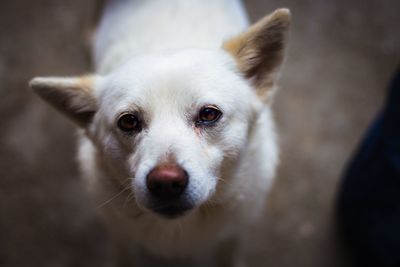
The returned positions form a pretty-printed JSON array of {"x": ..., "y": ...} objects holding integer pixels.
[
  {"x": 72, "y": 96},
  {"x": 259, "y": 51}
]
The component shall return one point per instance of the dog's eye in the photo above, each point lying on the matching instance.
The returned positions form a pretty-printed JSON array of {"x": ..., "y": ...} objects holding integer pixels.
[
  {"x": 209, "y": 115},
  {"x": 128, "y": 122}
]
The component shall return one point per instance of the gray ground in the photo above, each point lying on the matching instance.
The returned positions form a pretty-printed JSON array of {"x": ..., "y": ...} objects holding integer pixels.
[{"x": 340, "y": 59}]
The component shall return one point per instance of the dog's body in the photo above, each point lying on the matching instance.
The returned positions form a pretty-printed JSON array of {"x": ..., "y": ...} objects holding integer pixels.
[
  {"x": 171, "y": 104},
  {"x": 140, "y": 27}
]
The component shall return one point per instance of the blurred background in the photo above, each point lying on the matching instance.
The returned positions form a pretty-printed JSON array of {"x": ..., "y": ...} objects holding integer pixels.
[{"x": 340, "y": 60}]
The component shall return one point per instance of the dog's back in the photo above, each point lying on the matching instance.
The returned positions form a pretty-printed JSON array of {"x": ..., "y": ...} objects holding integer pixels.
[{"x": 134, "y": 27}]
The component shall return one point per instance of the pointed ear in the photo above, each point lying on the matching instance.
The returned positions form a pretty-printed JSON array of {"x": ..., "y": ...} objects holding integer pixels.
[
  {"x": 72, "y": 96},
  {"x": 259, "y": 51}
]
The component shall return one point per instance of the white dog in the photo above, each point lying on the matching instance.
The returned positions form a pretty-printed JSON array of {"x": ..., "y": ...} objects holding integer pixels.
[{"x": 178, "y": 144}]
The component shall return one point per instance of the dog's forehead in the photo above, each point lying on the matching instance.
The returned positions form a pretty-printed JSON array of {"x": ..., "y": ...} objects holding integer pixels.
[
  {"x": 183, "y": 77},
  {"x": 169, "y": 71}
]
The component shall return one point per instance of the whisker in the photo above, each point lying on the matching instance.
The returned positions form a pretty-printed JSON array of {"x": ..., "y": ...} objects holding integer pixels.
[
  {"x": 223, "y": 180},
  {"x": 128, "y": 198},
  {"x": 112, "y": 198},
  {"x": 180, "y": 227}
]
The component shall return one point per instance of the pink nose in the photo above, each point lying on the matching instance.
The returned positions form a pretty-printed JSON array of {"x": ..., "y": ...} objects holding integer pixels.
[{"x": 167, "y": 182}]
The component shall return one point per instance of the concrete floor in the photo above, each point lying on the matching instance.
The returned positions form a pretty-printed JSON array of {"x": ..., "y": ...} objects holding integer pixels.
[{"x": 341, "y": 57}]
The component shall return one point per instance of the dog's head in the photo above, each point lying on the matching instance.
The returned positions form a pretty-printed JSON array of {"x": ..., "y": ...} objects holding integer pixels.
[{"x": 171, "y": 121}]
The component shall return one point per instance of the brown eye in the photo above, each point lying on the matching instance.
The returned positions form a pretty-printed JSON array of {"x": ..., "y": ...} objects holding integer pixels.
[
  {"x": 128, "y": 122},
  {"x": 209, "y": 115}
]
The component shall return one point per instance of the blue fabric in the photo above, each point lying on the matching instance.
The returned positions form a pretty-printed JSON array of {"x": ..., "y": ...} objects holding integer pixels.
[{"x": 369, "y": 197}]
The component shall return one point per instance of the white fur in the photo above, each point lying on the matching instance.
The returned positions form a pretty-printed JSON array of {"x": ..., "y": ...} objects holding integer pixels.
[
  {"x": 136, "y": 27},
  {"x": 144, "y": 68}
]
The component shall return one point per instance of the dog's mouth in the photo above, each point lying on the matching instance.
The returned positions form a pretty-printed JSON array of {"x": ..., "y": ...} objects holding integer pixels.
[{"x": 171, "y": 210}]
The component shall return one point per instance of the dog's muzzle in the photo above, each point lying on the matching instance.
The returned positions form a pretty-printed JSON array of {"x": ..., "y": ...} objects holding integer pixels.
[{"x": 167, "y": 186}]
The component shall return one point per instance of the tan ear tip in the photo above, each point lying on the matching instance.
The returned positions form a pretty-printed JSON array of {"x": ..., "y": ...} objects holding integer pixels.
[
  {"x": 283, "y": 13},
  {"x": 36, "y": 83}
]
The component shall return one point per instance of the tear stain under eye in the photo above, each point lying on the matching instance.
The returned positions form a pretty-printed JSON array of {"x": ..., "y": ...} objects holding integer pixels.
[
  {"x": 204, "y": 147},
  {"x": 205, "y": 151},
  {"x": 198, "y": 133}
]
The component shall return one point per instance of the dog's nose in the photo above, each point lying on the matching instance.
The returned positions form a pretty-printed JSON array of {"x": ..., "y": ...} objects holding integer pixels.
[{"x": 167, "y": 182}]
